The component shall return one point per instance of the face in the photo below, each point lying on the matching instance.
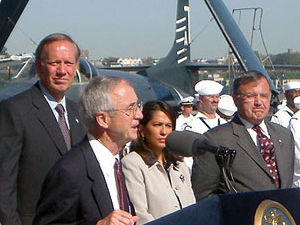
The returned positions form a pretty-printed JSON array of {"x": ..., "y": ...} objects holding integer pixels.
[
  {"x": 123, "y": 124},
  {"x": 208, "y": 103},
  {"x": 57, "y": 67},
  {"x": 290, "y": 95},
  {"x": 253, "y": 100},
  {"x": 186, "y": 109},
  {"x": 156, "y": 131}
]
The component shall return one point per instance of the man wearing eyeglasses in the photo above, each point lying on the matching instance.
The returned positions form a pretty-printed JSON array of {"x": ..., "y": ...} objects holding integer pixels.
[
  {"x": 265, "y": 150},
  {"x": 86, "y": 186}
]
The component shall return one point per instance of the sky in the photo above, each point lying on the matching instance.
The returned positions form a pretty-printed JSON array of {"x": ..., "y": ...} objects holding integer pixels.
[{"x": 146, "y": 28}]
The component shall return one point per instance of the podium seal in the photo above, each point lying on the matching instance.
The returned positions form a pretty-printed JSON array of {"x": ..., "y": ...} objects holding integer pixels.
[{"x": 270, "y": 212}]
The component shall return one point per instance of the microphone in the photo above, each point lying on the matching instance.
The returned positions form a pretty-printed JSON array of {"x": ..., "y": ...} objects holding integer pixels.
[{"x": 188, "y": 143}]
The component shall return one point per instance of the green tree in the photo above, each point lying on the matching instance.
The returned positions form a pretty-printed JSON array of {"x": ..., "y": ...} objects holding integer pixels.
[{"x": 286, "y": 58}]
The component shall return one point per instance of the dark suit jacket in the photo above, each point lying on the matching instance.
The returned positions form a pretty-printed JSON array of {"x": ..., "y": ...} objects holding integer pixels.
[
  {"x": 249, "y": 168},
  {"x": 30, "y": 143},
  {"x": 74, "y": 191}
]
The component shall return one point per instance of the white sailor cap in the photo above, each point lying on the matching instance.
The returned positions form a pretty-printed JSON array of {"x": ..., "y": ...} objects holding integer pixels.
[
  {"x": 297, "y": 102},
  {"x": 292, "y": 85},
  {"x": 208, "y": 87},
  {"x": 186, "y": 101},
  {"x": 226, "y": 105}
]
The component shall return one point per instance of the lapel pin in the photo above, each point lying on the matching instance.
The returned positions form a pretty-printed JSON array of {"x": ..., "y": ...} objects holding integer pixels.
[{"x": 181, "y": 178}]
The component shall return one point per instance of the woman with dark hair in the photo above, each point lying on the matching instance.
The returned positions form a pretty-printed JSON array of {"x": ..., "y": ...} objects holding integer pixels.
[{"x": 158, "y": 182}]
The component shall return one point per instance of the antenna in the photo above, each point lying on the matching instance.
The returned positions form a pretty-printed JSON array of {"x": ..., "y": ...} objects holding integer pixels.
[{"x": 15, "y": 25}]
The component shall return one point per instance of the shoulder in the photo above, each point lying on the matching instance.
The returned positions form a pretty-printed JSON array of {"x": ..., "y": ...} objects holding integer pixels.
[
  {"x": 132, "y": 158},
  {"x": 283, "y": 131},
  {"x": 74, "y": 159}
]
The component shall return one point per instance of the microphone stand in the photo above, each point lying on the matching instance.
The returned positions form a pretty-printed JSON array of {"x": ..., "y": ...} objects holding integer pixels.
[{"x": 224, "y": 158}]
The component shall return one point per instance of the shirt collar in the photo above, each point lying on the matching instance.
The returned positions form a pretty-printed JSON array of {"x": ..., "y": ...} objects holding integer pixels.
[
  {"x": 103, "y": 154},
  {"x": 49, "y": 98},
  {"x": 249, "y": 125}
]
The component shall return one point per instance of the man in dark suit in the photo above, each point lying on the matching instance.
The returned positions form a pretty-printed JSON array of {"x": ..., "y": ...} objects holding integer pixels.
[
  {"x": 30, "y": 137},
  {"x": 82, "y": 187},
  {"x": 251, "y": 169}
]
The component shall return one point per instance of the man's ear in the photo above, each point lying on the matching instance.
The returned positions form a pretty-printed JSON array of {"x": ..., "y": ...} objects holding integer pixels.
[
  {"x": 38, "y": 66},
  {"x": 102, "y": 119}
]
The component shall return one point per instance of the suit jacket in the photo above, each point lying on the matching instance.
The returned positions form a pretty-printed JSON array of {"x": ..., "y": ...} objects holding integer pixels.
[
  {"x": 151, "y": 191},
  {"x": 30, "y": 143},
  {"x": 74, "y": 191},
  {"x": 249, "y": 169}
]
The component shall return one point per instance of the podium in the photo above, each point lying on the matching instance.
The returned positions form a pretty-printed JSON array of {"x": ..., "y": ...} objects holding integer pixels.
[{"x": 239, "y": 209}]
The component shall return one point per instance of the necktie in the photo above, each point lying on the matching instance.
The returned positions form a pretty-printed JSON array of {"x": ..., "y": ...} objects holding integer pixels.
[
  {"x": 267, "y": 152},
  {"x": 63, "y": 125},
  {"x": 122, "y": 193}
]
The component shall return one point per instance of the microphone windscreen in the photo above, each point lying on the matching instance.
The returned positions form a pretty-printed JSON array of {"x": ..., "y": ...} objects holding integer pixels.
[{"x": 184, "y": 143}]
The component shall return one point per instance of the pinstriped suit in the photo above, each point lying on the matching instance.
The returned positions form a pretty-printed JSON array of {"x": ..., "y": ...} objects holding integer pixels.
[
  {"x": 249, "y": 169},
  {"x": 30, "y": 142}
]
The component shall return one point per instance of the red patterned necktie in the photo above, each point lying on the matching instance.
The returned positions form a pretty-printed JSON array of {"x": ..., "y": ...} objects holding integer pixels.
[
  {"x": 122, "y": 193},
  {"x": 267, "y": 152},
  {"x": 63, "y": 125}
]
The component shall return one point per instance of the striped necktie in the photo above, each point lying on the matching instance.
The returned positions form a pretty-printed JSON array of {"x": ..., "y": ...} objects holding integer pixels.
[
  {"x": 122, "y": 192},
  {"x": 63, "y": 125}
]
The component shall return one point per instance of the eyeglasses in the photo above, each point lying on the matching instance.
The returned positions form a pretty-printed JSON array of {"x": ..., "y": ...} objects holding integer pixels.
[
  {"x": 249, "y": 97},
  {"x": 132, "y": 110}
]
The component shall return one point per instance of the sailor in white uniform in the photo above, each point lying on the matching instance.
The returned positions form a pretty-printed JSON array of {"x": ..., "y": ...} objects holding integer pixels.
[
  {"x": 207, "y": 104},
  {"x": 283, "y": 116},
  {"x": 184, "y": 119},
  {"x": 183, "y": 123},
  {"x": 226, "y": 108},
  {"x": 295, "y": 128}
]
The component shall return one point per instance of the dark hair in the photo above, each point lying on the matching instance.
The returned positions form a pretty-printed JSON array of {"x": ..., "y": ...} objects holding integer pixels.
[
  {"x": 245, "y": 78},
  {"x": 140, "y": 146},
  {"x": 55, "y": 37}
]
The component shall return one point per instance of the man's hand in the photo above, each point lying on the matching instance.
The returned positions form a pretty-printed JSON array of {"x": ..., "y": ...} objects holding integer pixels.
[{"x": 118, "y": 217}]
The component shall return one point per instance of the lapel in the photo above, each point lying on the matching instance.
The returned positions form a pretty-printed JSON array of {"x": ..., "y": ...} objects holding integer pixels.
[
  {"x": 76, "y": 129},
  {"x": 280, "y": 152},
  {"x": 247, "y": 145},
  {"x": 99, "y": 187},
  {"x": 45, "y": 115}
]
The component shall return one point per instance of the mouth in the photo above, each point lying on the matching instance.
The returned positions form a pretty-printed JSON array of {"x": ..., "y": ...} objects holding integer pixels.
[
  {"x": 162, "y": 140},
  {"x": 60, "y": 80}
]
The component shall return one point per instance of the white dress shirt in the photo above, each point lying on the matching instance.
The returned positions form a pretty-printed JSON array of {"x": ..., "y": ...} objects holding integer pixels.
[
  {"x": 106, "y": 161},
  {"x": 253, "y": 133},
  {"x": 53, "y": 103}
]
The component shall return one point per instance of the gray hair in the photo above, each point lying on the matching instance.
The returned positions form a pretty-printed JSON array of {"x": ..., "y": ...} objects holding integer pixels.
[
  {"x": 96, "y": 97},
  {"x": 39, "y": 52}
]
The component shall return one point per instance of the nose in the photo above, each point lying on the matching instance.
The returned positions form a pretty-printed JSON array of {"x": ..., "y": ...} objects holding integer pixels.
[
  {"x": 258, "y": 100},
  {"x": 138, "y": 115},
  {"x": 163, "y": 130},
  {"x": 61, "y": 69}
]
